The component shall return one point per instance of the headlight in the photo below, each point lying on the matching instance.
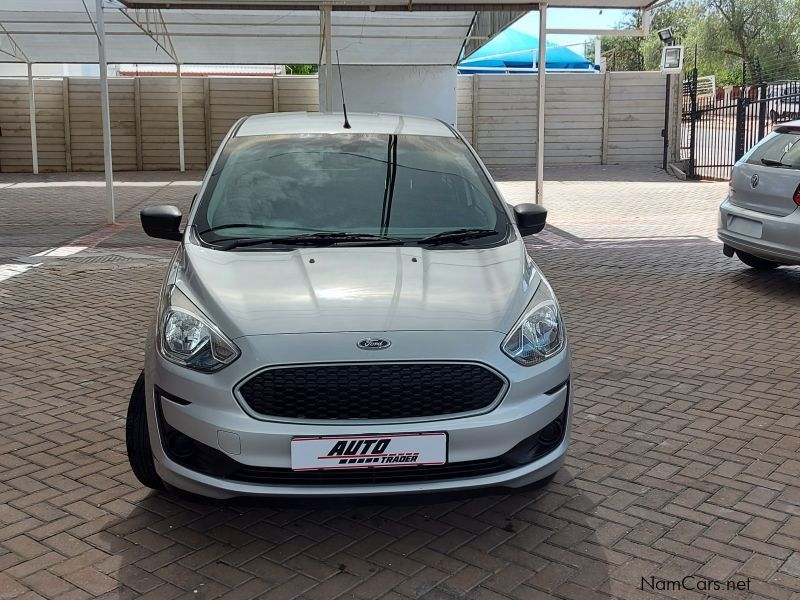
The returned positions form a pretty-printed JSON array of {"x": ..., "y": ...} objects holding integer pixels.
[
  {"x": 539, "y": 334},
  {"x": 189, "y": 339}
]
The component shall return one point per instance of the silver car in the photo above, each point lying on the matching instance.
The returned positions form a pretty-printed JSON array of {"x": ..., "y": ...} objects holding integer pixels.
[
  {"x": 349, "y": 312},
  {"x": 759, "y": 221}
]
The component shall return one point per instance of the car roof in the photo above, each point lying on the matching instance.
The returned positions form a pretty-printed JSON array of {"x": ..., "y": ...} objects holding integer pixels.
[{"x": 331, "y": 123}]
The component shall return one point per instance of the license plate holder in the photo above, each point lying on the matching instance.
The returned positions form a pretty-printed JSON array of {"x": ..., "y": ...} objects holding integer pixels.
[
  {"x": 368, "y": 451},
  {"x": 748, "y": 227}
]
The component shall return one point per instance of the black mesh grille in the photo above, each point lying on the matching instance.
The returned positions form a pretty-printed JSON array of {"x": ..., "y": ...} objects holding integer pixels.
[{"x": 371, "y": 391}]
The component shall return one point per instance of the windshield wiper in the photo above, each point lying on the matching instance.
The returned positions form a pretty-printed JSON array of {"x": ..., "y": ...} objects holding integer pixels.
[
  {"x": 334, "y": 237},
  {"x": 245, "y": 226},
  {"x": 326, "y": 238},
  {"x": 773, "y": 163},
  {"x": 456, "y": 236},
  {"x": 229, "y": 226}
]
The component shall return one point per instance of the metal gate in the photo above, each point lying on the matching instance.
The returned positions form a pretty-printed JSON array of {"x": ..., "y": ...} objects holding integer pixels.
[{"x": 719, "y": 127}]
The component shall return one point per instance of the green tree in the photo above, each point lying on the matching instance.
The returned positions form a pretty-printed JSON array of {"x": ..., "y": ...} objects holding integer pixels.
[
  {"x": 777, "y": 50},
  {"x": 718, "y": 36},
  {"x": 623, "y": 53},
  {"x": 301, "y": 69}
]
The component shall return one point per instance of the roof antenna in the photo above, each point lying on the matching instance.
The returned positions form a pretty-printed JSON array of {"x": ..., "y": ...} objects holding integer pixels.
[{"x": 341, "y": 85}]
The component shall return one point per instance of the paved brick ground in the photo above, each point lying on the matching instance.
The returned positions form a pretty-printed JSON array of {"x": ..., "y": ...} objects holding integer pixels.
[{"x": 684, "y": 462}]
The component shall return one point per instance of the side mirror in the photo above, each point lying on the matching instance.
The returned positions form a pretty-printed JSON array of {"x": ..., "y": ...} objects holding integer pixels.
[
  {"x": 162, "y": 222},
  {"x": 531, "y": 218}
]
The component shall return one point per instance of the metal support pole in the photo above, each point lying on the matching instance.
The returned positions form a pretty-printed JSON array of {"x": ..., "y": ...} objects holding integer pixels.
[
  {"x": 598, "y": 54},
  {"x": 604, "y": 134},
  {"x": 665, "y": 131},
  {"x": 540, "y": 106},
  {"x": 693, "y": 116},
  {"x": 32, "y": 110},
  {"x": 741, "y": 115},
  {"x": 328, "y": 52},
  {"x": 109, "y": 170},
  {"x": 762, "y": 111},
  {"x": 181, "y": 148}
]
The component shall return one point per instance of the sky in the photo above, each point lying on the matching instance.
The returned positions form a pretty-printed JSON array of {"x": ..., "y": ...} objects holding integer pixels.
[{"x": 572, "y": 18}]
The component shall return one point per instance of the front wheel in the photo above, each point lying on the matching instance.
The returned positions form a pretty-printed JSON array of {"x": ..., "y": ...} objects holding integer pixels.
[
  {"x": 137, "y": 439},
  {"x": 756, "y": 262}
]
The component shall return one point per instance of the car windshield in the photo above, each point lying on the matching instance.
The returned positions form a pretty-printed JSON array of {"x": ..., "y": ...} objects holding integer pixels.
[
  {"x": 382, "y": 188},
  {"x": 779, "y": 149}
]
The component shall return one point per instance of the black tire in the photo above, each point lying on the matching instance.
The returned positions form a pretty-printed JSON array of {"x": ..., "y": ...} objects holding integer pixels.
[
  {"x": 755, "y": 262},
  {"x": 137, "y": 439}
]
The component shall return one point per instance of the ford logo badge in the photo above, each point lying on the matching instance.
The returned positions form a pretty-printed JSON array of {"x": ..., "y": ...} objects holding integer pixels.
[{"x": 373, "y": 344}]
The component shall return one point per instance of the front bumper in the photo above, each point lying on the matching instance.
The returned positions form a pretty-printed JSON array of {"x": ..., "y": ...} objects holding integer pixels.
[
  {"x": 770, "y": 237},
  {"x": 535, "y": 397}
]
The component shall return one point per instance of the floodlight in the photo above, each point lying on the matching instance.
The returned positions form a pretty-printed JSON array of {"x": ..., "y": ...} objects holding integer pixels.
[{"x": 672, "y": 59}]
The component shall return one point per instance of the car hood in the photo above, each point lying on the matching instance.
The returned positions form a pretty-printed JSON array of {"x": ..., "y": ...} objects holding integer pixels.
[{"x": 374, "y": 288}]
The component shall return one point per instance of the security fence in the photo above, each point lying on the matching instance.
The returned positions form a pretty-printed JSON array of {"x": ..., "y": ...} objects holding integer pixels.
[{"x": 717, "y": 129}]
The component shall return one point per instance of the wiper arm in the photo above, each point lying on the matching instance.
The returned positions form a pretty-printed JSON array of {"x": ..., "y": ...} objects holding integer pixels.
[
  {"x": 245, "y": 226},
  {"x": 773, "y": 163},
  {"x": 310, "y": 239},
  {"x": 334, "y": 237},
  {"x": 231, "y": 243},
  {"x": 456, "y": 236},
  {"x": 228, "y": 226}
]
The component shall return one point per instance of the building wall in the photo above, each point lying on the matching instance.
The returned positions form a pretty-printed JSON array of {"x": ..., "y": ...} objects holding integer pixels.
[
  {"x": 589, "y": 118},
  {"x": 425, "y": 90}
]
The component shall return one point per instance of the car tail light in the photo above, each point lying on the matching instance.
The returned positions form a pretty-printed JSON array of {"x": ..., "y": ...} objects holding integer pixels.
[
  {"x": 797, "y": 196},
  {"x": 730, "y": 186}
]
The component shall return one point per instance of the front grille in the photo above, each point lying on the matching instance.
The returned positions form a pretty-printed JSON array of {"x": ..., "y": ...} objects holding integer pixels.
[{"x": 371, "y": 390}]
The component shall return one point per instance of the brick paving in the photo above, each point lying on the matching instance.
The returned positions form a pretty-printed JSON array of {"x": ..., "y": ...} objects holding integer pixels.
[{"x": 684, "y": 461}]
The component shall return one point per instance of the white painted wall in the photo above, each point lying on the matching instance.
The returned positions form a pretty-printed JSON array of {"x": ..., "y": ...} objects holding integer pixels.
[
  {"x": 429, "y": 91},
  {"x": 47, "y": 70}
]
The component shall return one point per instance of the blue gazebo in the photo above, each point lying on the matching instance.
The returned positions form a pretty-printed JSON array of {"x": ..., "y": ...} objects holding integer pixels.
[{"x": 514, "y": 50}]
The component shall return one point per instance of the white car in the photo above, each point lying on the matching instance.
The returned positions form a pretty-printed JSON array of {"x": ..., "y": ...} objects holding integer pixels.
[
  {"x": 350, "y": 312},
  {"x": 759, "y": 221},
  {"x": 784, "y": 103}
]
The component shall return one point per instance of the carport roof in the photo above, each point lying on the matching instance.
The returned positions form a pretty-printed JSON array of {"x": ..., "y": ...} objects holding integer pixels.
[
  {"x": 260, "y": 31},
  {"x": 387, "y": 4}
]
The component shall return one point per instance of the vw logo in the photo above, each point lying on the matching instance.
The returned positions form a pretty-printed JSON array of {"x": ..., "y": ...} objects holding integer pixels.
[
  {"x": 754, "y": 180},
  {"x": 373, "y": 344}
]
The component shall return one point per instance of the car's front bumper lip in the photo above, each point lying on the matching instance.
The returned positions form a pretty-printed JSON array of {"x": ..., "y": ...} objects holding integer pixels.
[
  {"x": 779, "y": 235},
  {"x": 460, "y": 432},
  {"x": 197, "y": 483},
  {"x": 535, "y": 397}
]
